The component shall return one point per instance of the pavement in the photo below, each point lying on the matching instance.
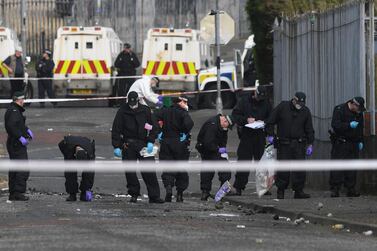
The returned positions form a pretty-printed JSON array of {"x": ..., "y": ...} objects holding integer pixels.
[{"x": 354, "y": 214}]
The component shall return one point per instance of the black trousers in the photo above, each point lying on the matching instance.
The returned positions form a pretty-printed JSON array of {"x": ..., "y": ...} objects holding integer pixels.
[
  {"x": 207, "y": 177},
  {"x": 16, "y": 86},
  {"x": 150, "y": 178},
  {"x": 292, "y": 151},
  {"x": 45, "y": 86},
  {"x": 346, "y": 150},
  {"x": 251, "y": 147},
  {"x": 17, "y": 180},
  {"x": 173, "y": 149},
  {"x": 72, "y": 186},
  {"x": 124, "y": 86}
]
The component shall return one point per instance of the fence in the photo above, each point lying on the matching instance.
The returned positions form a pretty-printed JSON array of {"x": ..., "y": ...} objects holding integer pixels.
[
  {"x": 324, "y": 56},
  {"x": 43, "y": 20}
]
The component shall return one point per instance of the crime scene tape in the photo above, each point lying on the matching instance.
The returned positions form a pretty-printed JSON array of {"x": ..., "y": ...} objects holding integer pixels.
[
  {"x": 57, "y": 100},
  {"x": 117, "y": 166}
]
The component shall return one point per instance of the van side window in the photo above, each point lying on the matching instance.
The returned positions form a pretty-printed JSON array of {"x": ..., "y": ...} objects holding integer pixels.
[
  {"x": 166, "y": 47},
  {"x": 89, "y": 45},
  {"x": 76, "y": 45},
  {"x": 178, "y": 47}
]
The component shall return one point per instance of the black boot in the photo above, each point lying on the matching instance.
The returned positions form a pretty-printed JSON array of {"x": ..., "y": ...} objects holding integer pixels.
[
  {"x": 238, "y": 192},
  {"x": 169, "y": 194},
  {"x": 205, "y": 195},
  {"x": 133, "y": 199},
  {"x": 334, "y": 192},
  {"x": 71, "y": 197},
  {"x": 280, "y": 194},
  {"x": 268, "y": 193},
  {"x": 301, "y": 195},
  {"x": 179, "y": 196},
  {"x": 18, "y": 197},
  {"x": 156, "y": 200},
  {"x": 352, "y": 193}
]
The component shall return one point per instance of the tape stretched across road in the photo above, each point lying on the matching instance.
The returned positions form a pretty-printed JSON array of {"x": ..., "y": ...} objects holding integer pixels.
[
  {"x": 58, "y": 100},
  {"x": 118, "y": 166}
]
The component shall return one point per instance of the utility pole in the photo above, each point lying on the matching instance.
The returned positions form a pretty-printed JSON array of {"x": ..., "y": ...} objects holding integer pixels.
[
  {"x": 23, "y": 27},
  {"x": 372, "y": 89},
  {"x": 219, "y": 102}
]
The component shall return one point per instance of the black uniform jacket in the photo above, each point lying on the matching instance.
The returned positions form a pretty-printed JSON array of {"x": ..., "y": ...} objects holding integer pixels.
[
  {"x": 129, "y": 125},
  {"x": 175, "y": 120},
  {"x": 127, "y": 63},
  {"x": 291, "y": 123},
  {"x": 248, "y": 107},
  {"x": 68, "y": 144},
  {"x": 15, "y": 123},
  {"x": 342, "y": 116},
  {"x": 45, "y": 68},
  {"x": 212, "y": 136}
]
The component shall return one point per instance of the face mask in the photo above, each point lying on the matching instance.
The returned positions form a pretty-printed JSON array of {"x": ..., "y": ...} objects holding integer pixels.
[
  {"x": 133, "y": 107},
  {"x": 298, "y": 106}
]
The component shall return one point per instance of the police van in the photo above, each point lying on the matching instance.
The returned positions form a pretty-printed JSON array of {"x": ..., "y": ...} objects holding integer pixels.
[
  {"x": 8, "y": 43},
  {"x": 84, "y": 58},
  {"x": 184, "y": 63}
]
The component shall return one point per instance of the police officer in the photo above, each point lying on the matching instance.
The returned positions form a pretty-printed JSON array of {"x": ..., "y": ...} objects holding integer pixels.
[
  {"x": 211, "y": 144},
  {"x": 347, "y": 142},
  {"x": 45, "y": 68},
  {"x": 134, "y": 128},
  {"x": 144, "y": 88},
  {"x": 15, "y": 66},
  {"x": 176, "y": 125},
  {"x": 126, "y": 62},
  {"x": 19, "y": 136},
  {"x": 250, "y": 108},
  {"x": 78, "y": 148},
  {"x": 295, "y": 136}
]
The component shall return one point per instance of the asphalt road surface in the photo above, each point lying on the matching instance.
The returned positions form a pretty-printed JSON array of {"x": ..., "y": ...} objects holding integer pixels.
[{"x": 110, "y": 222}]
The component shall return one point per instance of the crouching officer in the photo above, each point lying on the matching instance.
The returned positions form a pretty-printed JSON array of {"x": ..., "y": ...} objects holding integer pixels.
[
  {"x": 134, "y": 128},
  {"x": 176, "y": 125},
  {"x": 295, "y": 136},
  {"x": 78, "y": 148},
  {"x": 347, "y": 142},
  {"x": 19, "y": 136},
  {"x": 211, "y": 144},
  {"x": 250, "y": 109}
]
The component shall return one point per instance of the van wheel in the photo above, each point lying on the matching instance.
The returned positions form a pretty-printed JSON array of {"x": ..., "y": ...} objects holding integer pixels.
[
  {"x": 29, "y": 92},
  {"x": 228, "y": 98}
]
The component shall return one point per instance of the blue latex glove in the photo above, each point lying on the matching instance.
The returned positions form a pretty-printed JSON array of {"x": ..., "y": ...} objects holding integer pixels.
[
  {"x": 23, "y": 141},
  {"x": 361, "y": 146},
  {"x": 30, "y": 133},
  {"x": 270, "y": 139},
  {"x": 117, "y": 152},
  {"x": 159, "y": 104},
  {"x": 309, "y": 150},
  {"x": 222, "y": 150},
  {"x": 159, "y": 136},
  {"x": 149, "y": 147},
  {"x": 160, "y": 98},
  {"x": 182, "y": 136},
  {"x": 354, "y": 124}
]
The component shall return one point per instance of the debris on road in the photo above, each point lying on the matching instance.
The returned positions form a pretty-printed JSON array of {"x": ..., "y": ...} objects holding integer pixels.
[
  {"x": 298, "y": 221},
  {"x": 224, "y": 215},
  {"x": 50, "y": 129},
  {"x": 241, "y": 226},
  {"x": 259, "y": 241},
  {"x": 329, "y": 215},
  {"x": 320, "y": 206},
  {"x": 368, "y": 233},
  {"x": 219, "y": 205},
  {"x": 338, "y": 226},
  {"x": 9, "y": 202}
]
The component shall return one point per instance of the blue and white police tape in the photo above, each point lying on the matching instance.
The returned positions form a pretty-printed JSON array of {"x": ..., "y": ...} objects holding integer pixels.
[{"x": 118, "y": 166}]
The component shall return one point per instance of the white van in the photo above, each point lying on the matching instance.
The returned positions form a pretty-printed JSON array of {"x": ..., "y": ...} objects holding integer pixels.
[
  {"x": 8, "y": 43},
  {"x": 85, "y": 55},
  {"x": 176, "y": 56}
]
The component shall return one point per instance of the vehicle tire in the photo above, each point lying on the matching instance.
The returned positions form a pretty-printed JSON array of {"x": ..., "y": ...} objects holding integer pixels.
[
  {"x": 29, "y": 92},
  {"x": 228, "y": 98}
]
